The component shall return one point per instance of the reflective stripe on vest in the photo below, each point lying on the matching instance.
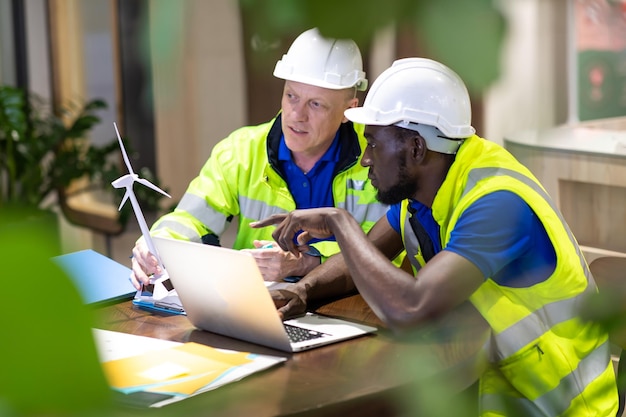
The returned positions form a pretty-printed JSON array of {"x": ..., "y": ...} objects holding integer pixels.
[
  {"x": 258, "y": 210},
  {"x": 362, "y": 212},
  {"x": 177, "y": 228},
  {"x": 207, "y": 215},
  {"x": 557, "y": 401},
  {"x": 411, "y": 244}
]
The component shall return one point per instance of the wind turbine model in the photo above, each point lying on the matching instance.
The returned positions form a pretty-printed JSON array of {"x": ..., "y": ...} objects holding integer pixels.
[{"x": 127, "y": 181}]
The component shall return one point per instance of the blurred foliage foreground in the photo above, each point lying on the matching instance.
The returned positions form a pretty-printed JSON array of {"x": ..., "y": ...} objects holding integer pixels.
[
  {"x": 49, "y": 361},
  {"x": 465, "y": 35}
]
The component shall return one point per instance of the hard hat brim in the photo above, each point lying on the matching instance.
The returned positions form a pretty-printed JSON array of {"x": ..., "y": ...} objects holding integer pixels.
[
  {"x": 373, "y": 117},
  {"x": 367, "y": 116},
  {"x": 286, "y": 73},
  {"x": 316, "y": 82}
]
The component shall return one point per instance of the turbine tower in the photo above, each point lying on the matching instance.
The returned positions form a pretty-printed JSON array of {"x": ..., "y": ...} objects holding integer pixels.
[{"x": 127, "y": 181}]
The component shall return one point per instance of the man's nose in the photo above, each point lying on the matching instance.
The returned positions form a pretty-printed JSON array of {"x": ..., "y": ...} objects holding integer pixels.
[
  {"x": 366, "y": 160},
  {"x": 298, "y": 111}
]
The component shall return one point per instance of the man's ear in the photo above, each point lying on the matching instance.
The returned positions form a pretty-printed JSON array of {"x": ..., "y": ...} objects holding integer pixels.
[
  {"x": 354, "y": 102},
  {"x": 418, "y": 148}
]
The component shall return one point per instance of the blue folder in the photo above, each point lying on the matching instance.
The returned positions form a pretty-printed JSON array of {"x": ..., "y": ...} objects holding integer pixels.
[{"x": 99, "y": 279}]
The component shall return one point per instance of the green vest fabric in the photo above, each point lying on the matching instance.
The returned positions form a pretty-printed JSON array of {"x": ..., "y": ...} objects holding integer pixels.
[
  {"x": 241, "y": 180},
  {"x": 544, "y": 360}
]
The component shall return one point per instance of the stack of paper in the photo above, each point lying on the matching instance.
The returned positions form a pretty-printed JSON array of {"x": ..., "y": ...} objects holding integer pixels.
[
  {"x": 157, "y": 372},
  {"x": 169, "y": 304}
]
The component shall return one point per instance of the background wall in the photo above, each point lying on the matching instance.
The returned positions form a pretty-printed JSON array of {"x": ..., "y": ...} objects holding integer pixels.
[
  {"x": 7, "y": 69},
  {"x": 199, "y": 83},
  {"x": 532, "y": 90}
]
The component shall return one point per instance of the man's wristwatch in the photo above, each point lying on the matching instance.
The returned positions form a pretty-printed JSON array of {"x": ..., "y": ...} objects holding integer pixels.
[{"x": 313, "y": 252}]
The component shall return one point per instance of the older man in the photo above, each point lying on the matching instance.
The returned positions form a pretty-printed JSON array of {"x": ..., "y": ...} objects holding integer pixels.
[{"x": 308, "y": 156}]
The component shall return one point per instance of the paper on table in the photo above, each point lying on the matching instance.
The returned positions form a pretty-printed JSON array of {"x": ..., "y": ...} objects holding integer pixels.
[
  {"x": 169, "y": 304},
  {"x": 115, "y": 345},
  {"x": 177, "y": 370},
  {"x": 276, "y": 285},
  {"x": 190, "y": 361}
]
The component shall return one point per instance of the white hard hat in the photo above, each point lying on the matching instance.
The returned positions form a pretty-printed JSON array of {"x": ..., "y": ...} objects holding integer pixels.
[
  {"x": 414, "y": 92},
  {"x": 329, "y": 63}
]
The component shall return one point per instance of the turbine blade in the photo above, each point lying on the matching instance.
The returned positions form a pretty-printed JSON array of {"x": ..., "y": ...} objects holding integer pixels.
[
  {"x": 124, "y": 199},
  {"x": 152, "y": 186},
  {"x": 126, "y": 160}
]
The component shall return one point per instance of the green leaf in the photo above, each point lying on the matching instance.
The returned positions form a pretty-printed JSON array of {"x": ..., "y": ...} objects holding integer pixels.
[
  {"x": 82, "y": 125},
  {"x": 95, "y": 105}
]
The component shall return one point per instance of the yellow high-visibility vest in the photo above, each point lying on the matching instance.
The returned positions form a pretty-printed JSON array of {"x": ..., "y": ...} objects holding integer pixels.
[{"x": 544, "y": 360}]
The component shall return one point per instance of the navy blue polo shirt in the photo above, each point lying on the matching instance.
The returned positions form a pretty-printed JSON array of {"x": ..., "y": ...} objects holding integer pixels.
[
  {"x": 315, "y": 188},
  {"x": 499, "y": 233}
]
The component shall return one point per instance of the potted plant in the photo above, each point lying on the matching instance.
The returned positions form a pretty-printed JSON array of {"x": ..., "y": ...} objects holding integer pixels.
[{"x": 42, "y": 155}]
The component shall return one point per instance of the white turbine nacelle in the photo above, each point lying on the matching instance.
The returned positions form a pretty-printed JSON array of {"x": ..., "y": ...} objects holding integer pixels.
[{"x": 127, "y": 181}]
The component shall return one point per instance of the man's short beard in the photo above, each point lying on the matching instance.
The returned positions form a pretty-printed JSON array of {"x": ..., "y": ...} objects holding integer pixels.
[
  {"x": 398, "y": 192},
  {"x": 403, "y": 189}
]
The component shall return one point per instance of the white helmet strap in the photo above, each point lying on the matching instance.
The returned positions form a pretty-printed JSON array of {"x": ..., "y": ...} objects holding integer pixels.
[{"x": 435, "y": 140}]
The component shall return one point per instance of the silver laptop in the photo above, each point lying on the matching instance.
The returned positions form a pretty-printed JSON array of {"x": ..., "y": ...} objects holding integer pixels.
[{"x": 222, "y": 291}]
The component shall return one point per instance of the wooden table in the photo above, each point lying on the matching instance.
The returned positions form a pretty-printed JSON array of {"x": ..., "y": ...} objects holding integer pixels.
[{"x": 366, "y": 376}]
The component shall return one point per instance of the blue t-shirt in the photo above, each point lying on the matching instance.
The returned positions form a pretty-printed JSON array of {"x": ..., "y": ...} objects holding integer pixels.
[{"x": 499, "y": 233}]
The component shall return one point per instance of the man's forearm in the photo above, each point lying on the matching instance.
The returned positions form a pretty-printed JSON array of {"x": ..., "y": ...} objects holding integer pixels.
[{"x": 330, "y": 279}]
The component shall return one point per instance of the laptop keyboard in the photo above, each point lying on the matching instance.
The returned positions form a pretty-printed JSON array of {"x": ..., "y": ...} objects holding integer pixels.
[{"x": 298, "y": 334}]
